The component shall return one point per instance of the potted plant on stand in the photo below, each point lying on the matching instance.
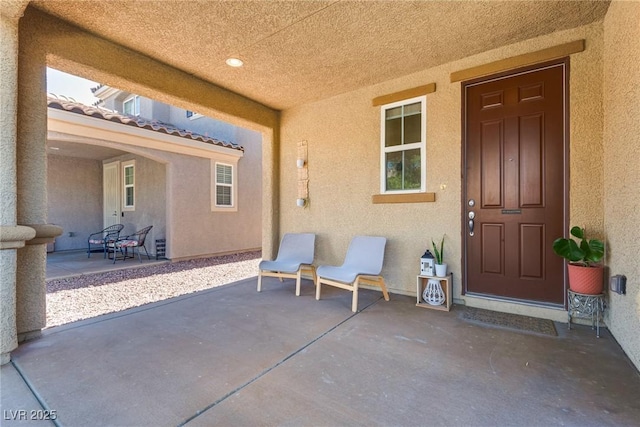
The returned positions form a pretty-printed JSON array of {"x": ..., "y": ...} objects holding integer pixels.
[
  {"x": 441, "y": 267},
  {"x": 585, "y": 273}
]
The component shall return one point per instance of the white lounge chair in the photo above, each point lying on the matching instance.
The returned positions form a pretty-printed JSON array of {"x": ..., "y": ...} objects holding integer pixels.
[
  {"x": 362, "y": 265},
  {"x": 295, "y": 255}
]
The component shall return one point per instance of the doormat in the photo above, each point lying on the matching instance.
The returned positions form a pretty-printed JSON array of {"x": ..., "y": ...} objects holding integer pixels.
[{"x": 514, "y": 322}]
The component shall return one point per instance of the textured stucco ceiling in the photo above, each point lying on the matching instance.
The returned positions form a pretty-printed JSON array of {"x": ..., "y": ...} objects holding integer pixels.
[{"x": 300, "y": 51}]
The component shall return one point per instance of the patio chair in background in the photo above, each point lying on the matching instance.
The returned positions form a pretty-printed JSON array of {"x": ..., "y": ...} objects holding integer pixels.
[
  {"x": 295, "y": 254},
  {"x": 133, "y": 241},
  {"x": 103, "y": 238},
  {"x": 362, "y": 265}
]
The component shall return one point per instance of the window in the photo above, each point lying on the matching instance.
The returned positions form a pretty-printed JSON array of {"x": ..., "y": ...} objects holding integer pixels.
[
  {"x": 403, "y": 146},
  {"x": 224, "y": 185},
  {"x": 131, "y": 106},
  {"x": 128, "y": 179},
  {"x": 192, "y": 115}
]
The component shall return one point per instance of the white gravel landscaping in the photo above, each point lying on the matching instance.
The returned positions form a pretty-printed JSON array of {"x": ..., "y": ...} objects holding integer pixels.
[{"x": 86, "y": 296}]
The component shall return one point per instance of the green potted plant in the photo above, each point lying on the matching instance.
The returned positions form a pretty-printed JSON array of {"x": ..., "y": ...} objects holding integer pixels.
[
  {"x": 438, "y": 254},
  {"x": 585, "y": 272}
]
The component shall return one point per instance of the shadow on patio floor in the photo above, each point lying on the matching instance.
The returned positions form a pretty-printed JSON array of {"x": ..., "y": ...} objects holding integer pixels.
[{"x": 232, "y": 356}]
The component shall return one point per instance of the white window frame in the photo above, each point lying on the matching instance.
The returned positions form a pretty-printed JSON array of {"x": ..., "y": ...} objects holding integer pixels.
[
  {"x": 125, "y": 166},
  {"x": 422, "y": 145},
  {"x": 214, "y": 187},
  {"x": 135, "y": 99},
  {"x": 193, "y": 115}
]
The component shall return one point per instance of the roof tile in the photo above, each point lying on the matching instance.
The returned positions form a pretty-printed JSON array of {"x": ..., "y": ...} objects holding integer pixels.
[{"x": 153, "y": 125}]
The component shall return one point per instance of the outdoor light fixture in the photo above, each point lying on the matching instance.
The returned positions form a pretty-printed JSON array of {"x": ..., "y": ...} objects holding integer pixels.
[
  {"x": 234, "y": 62},
  {"x": 301, "y": 202},
  {"x": 300, "y": 163},
  {"x": 427, "y": 262}
]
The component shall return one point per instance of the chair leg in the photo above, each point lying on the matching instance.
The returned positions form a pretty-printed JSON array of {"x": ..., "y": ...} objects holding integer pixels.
[
  {"x": 146, "y": 252},
  {"x": 88, "y": 250},
  {"x": 384, "y": 289},
  {"x": 260, "y": 281},
  {"x": 354, "y": 301},
  {"x": 318, "y": 284},
  {"x": 298, "y": 277}
]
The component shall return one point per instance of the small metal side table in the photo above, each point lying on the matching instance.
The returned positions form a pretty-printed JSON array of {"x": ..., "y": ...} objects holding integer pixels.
[{"x": 586, "y": 306}]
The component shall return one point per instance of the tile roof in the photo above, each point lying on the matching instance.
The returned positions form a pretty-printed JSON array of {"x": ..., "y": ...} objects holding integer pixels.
[{"x": 153, "y": 125}]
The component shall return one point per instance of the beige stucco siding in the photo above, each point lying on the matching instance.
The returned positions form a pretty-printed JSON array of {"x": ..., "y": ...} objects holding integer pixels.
[
  {"x": 195, "y": 229},
  {"x": 622, "y": 167},
  {"x": 343, "y": 139},
  {"x": 74, "y": 189}
]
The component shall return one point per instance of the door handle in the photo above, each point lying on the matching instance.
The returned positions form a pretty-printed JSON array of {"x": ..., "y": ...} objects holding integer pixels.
[{"x": 471, "y": 222}]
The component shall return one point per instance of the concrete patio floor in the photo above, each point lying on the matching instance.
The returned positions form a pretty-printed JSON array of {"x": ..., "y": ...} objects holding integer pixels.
[
  {"x": 73, "y": 263},
  {"x": 232, "y": 356}
]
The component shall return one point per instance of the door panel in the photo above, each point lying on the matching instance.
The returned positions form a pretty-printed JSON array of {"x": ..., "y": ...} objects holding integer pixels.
[
  {"x": 514, "y": 155},
  {"x": 111, "y": 193},
  {"x": 491, "y": 150},
  {"x": 492, "y": 248}
]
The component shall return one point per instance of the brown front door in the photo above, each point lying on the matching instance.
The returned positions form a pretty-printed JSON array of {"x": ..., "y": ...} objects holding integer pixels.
[{"x": 514, "y": 184}]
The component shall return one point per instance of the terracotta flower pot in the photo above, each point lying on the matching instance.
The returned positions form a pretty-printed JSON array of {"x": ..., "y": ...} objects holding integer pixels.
[{"x": 586, "y": 280}]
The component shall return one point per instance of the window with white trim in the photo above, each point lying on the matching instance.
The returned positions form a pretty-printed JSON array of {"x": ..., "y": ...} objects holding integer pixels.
[
  {"x": 192, "y": 115},
  {"x": 128, "y": 182},
  {"x": 403, "y": 137},
  {"x": 131, "y": 106},
  {"x": 224, "y": 185}
]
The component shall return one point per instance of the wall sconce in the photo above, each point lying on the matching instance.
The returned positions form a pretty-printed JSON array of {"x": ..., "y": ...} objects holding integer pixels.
[
  {"x": 300, "y": 163},
  {"x": 300, "y": 202}
]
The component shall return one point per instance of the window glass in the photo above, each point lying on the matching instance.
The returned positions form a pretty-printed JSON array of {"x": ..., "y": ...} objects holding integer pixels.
[
  {"x": 128, "y": 172},
  {"x": 403, "y": 145},
  {"x": 224, "y": 185},
  {"x": 393, "y": 127},
  {"x": 131, "y": 106},
  {"x": 412, "y": 128},
  {"x": 223, "y": 196},
  {"x": 223, "y": 174},
  {"x": 394, "y": 171},
  {"x": 129, "y": 196}
]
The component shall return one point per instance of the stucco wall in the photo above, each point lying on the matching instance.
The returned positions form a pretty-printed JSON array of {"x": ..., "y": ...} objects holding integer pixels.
[
  {"x": 195, "y": 229},
  {"x": 250, "y": 186},
  {"x": 74, "y": 189},
  {"x": 622, "y": 168},
  {"x": 150, "y": 199},
  {"x": 343, "y": 140}
]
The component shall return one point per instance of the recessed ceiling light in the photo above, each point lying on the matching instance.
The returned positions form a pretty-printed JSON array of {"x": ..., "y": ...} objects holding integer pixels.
[{"x": 234, "y": 62}]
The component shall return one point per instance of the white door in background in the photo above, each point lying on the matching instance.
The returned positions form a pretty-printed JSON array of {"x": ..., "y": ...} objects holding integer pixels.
[{"x": 111, "y": 193}]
